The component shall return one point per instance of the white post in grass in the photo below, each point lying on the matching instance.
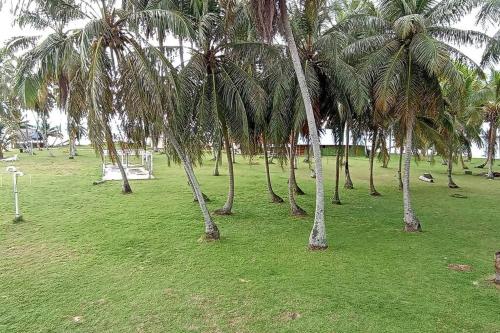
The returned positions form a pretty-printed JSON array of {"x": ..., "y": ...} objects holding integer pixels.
[{"x": 16, "y": 174}]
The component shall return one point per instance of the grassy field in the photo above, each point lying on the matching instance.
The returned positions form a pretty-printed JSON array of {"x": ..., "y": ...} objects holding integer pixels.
[{"x": 89, "y": 259}]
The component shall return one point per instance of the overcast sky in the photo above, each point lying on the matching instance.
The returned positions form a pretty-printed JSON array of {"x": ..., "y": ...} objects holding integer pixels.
[{"x": 7, "y": 31}]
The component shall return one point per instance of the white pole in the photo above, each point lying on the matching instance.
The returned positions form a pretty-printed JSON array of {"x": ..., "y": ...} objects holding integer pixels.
[{"x": 16, "y": 197}]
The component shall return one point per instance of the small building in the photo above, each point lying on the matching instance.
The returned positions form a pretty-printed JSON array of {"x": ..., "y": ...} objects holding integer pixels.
[
  {"x": 328, "y": 146},
  {"x": 27, "y": 139}
]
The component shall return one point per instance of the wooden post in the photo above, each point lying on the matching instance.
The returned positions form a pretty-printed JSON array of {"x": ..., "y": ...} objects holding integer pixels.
[{"x": 497, "y": 267}]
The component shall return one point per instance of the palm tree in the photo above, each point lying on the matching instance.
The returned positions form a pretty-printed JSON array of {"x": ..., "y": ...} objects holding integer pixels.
[
  {"x": 406, "y": 52},
  {"x": 263, "y": 123},
  {"x": 345, "y": 13},
  {"x": 287, "y": 120},
  {"x": 8, "y": 102},
  {"x": 11, "y": 117},
  {"x": 52, "y": 57},
  {"x": 460, "y": 124},
  {"x": 337, "y": 123},
  {"x": 127, "y": 74},
  {"x": 224, "y": 86},
  {"x": 266, "y": 12},
  {"x": 491, "y": 109},
  {"x": 5, "y": 138}
]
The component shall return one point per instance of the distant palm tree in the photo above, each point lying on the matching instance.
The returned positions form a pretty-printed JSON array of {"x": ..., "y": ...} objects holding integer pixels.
[
  {"x": 491, "y": 109},
  {"x": 459, "y": 126},
  {"x": 51, "y": 60},
  {"x": 5, "y": 138}
]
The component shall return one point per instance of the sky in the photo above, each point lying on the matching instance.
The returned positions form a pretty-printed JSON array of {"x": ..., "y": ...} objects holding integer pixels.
[{"x": 8, "y": 30}]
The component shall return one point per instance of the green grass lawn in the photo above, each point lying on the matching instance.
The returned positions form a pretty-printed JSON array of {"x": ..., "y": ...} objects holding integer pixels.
[{"x": 136, "y": 263}]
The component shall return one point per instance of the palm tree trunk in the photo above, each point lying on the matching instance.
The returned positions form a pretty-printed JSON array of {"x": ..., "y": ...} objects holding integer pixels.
[
  {"x": 451, "y": 183},
  {"x": 400, "y": 181},
  {"x": 70, "y": 139},
  {"x": 272, "y": 196},
  {"x": 464, "y": 167},
  {"x": 217, "y": 161},
  {"x": 297, "y": 190},
  {"x": 228, "y": 206},
  {"x": 294, "y": 207},
  {"x": 385, "y": 152},
  {"x": 373, "y": 191},
  {"x": 317, "y": 238},
  {"x": 348, "y": 182},
  {"x": 491, "y": 150},
  {"x": 412, "y": 224},
  {"x": 336, "y": 196},
  {"x": 1, "y": 151},
  {"x": 126, "y": 189},
  {"x": 75, "y": 152},
  {"x": 211, "y": 230}
]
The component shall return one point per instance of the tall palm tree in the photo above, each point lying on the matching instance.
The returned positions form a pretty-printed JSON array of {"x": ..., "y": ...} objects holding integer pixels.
[
  {"x": 266, "y": 12},
  {"x": 406, "y": 51},
  {"x": 224, "y": 89},
  {"x": 105, "y": 44}
]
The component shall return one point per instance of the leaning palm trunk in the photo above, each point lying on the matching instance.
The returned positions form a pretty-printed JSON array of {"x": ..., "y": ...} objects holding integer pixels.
[
  {"x": 126, "y": 189},
  {"x": 491, "y": 150},
  {"x": 294, "y": 207},
  {"x": 373, "y": 191},
  {"x": 195, "y": 198},
  {"x": 451, "y": 183},
  {"x": 336, "y": 196},
  {"x": 228, "y": 206},
  {"x": 485, "y": 163},
  {"x": 348, "y": 182},
  {"x": 296, "y": 189},
  {"x": 211, "y": 230},
  {"x": 272, "y": 196},
  {"x": 412, "y": 224},
  {"x": 317, "y": 238}
]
